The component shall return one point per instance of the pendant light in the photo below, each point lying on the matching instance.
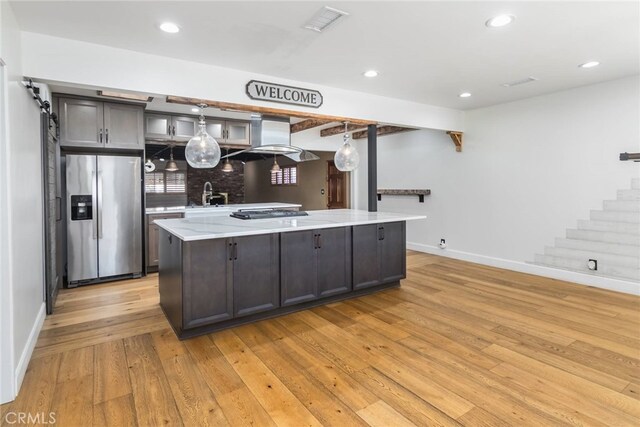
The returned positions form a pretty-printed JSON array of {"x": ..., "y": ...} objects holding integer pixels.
[
  {"x": 171, "y": 164},
  {"x": 202, "y": 150},
  {"x": 276, "y": 167},
  {"x": 149, "y": 166},
  {"x": 347, "y": 157},
  {"x": 227, "y": 167}
]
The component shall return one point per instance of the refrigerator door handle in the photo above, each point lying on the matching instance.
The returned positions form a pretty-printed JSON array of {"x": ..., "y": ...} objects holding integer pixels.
[
  {"x": 94, "y": 193},
  {"x": 100, "y": 187}
]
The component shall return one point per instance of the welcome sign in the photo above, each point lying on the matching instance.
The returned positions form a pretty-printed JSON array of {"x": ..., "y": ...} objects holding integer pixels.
[{"x": 273, "y": 92}]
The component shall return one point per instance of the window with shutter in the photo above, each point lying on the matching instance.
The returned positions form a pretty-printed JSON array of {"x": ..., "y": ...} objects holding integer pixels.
[
  {"x": 287, "y": 175},
  {"x": 165, "y": 182}
]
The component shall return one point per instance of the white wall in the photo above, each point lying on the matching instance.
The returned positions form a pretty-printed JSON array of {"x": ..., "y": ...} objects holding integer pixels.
[
  {"x": 62, "y": 60},
  {"x": 529, "y": 170},
  {"x": 21, "y": 237}
]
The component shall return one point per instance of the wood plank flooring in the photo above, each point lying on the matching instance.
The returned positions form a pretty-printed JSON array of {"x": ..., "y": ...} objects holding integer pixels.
[{"x": 456, "y": 344}]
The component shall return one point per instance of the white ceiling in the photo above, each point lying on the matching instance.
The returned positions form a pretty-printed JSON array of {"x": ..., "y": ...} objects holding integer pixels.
[{"x": 426, "y": 51}]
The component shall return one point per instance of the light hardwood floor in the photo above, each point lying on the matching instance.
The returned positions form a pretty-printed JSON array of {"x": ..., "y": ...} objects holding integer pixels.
[{"x": 457, "y": 344}]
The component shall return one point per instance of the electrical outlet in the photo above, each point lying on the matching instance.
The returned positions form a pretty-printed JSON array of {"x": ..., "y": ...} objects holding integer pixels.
[
  {"x": 442, "y": 244},
  {"x": 592, "y": 264},
  {"x": 442, "y": 241}
]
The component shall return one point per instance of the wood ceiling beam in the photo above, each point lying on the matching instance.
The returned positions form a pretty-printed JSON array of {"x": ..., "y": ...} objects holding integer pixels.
[
  {"x": 456, "y": 137},
  {"x": 307, "y": 124},
  {"x": 382, "y": 131},
  {"x": 337, "y": 130},
  {"x": 262, "y": 110}
]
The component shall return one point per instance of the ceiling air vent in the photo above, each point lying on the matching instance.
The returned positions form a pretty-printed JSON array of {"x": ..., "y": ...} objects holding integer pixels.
[
  {"x": 325, "y": 17},
  {"x": 519, "y": 82}
]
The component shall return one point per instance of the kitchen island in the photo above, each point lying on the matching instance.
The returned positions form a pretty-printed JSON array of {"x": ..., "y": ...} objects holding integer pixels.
[{"x": 217, "y": 271}]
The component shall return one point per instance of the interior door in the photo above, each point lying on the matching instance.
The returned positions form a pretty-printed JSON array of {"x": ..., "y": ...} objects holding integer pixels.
[
  {"x": 337, "y": 183},
  {"x": 53, "y": 276},
  {"x": 119, "y": 215}
]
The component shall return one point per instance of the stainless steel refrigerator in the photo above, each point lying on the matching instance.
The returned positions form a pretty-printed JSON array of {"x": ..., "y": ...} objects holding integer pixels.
[{"x": 104, "y": 218}]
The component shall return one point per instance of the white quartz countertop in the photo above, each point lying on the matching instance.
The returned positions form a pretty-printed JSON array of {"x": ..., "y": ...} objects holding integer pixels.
[
  {"x": 216, "y": 227},
  {"x": 220, "y": 208}
]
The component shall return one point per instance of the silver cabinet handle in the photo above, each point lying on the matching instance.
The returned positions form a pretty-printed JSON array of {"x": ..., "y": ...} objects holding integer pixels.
[
  {"x": 94, "y": 204},
  {"x": 100, "y": 135},
  {"x": 106, "y": 136},
  {"x": 169, "y": 129},
  {"x": 174, "y": 131},
  {"x": 100, "y": 187}
]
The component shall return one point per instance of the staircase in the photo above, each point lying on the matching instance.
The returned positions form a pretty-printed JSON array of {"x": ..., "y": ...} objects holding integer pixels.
[{"x": 611, "y": 236}]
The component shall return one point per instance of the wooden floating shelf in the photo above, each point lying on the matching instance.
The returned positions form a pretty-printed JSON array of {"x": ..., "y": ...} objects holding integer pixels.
[{"x": 419, "y": 193}]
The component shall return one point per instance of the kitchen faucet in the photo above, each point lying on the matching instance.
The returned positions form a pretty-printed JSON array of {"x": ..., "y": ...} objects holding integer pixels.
[{"x": 206, "y": 194}]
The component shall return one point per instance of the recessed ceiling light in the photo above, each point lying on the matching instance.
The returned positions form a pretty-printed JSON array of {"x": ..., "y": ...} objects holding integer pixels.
[
  {"x": 589, "y": 64},
  {"x": 500, "y": 21},
  {"x": 169, "y": 27},
  {"x": 370, "y": 73},
  {"x": 195, "y": 110},
  {"x": 465, "y": 95}
]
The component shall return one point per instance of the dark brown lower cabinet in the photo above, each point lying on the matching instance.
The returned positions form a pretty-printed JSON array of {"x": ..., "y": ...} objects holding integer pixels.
[
  {"x": 315, "y": 264},
  {"x": 378, "y": 254},
  {"x": 211, "y": 284},
  {"x": 209, "y": 281},
  {"x": 256, "y": 273}
]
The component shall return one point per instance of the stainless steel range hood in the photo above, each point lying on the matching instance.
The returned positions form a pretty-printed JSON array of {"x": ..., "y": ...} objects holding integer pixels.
[{"x": 272, "y": 135}]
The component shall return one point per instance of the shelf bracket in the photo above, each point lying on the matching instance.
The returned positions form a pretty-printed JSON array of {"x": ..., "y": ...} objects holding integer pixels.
[{"x": 456, "y": 137}]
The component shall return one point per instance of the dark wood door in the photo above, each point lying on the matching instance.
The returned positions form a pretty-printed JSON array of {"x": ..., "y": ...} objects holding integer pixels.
[
  {"x": 298, "y": 267},
  {"x": 334, "y": 261},
  {"x": 366, "y": 270},
  {"x": 337, "y": 184},
  {"x": 256, "y": 273},
  {"x": 207, "y": 282},
  {"x": 392, "y": 251}
]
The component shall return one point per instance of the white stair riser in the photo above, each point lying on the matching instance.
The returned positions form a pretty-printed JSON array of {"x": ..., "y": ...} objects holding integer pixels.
[
  {"x": 576, "y": 265},
  {"x": 635, "y": 183},
  {"x": 628, "y": 195},
  {"x": 609, "y": 226},
  {"x": 599, "y": 247},
  {"x": 630, "y": 217},
  {"x": 622, "y": 205},
  {"x": 604, "y": 236},
  {"x": 603, "y": 258}
]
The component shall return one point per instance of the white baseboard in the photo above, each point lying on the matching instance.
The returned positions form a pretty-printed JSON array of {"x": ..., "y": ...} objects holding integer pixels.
[
  {"x": 25, "y": 357},
  {"x": 625, "y": 286}
]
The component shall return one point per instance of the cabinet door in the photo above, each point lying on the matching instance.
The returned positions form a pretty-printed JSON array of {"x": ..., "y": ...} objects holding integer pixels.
[
  {"x": 153, "y": 255},
  {"x": 334, "y": 261},
  {"x": 366, "y": 270},
  {"x": 256, "y": 274},
  {"x": 237, "y": 133},
  {"x": 123, "y": 126},
  {"x": 81, "y": 123},
  {"x": 215, "y": 128},
  {"x": 157, "y": 126},
  {"x": 298, "y": 267},
  {"x": 184, "y": 128},
  {"x": 392, "y": 251},
  {"x": 207, "y": 282}
]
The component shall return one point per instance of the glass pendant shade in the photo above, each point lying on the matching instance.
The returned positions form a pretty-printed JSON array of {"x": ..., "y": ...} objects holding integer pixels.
[
  {"x": 227, "y": 167},
  {"x": 171, "y": 164},
  {"x": 202, "y": 150},
  {"x": 347, "y": 157},
  {"x": 276, "y": 167}
]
